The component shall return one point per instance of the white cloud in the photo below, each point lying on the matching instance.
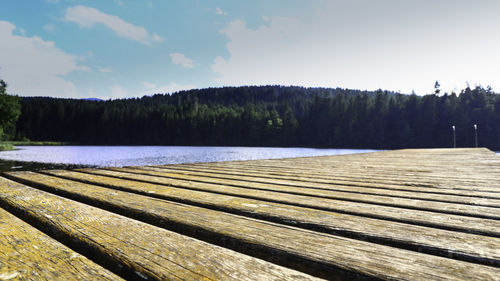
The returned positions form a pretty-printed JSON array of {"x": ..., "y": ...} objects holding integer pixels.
[
  {"x": 90, "y": 55},
  {"x": 149, "y": 85},
  {"x": 86, "y": 17},
  {"x": 49, "y": 27},
  {"x": 168, "y": 89},
  {"x": 157, "y": 38},
  {"x": 34, "y": 67},
  {"x": 178, "y": 58},
  {"x": 380, "y": 45},
  {"x": 84, "y": 68},
  {"x": 220, "y": 12},
  {"x": 106, "y": 69},
  {"x": 118, "y": 92}
]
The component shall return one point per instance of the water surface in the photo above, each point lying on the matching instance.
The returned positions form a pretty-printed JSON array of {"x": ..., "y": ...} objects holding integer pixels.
[{"x": 119, "y": 156}]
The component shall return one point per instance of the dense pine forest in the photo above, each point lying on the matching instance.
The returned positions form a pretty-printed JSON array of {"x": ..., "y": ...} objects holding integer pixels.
[{"x": 269, "y": 116}]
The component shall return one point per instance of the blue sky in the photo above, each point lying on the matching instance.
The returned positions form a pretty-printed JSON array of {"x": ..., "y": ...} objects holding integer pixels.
[{"x": 124, "y": 48}]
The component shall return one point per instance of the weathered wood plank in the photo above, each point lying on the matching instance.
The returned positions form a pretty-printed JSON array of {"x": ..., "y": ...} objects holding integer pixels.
[
  {"x": 266, "y": 176},
  {"x": 334, "y": 177},
  {"x": 418, "y": 217},
  {"x": 365, "y": 258},
  {"x": 458, "y": 245},
  {"x": 28, "y": 254},
  {"x": 148, "y": 251},
  {"x": 390, "y": 166},
  {"x": 315, "y": 189},
  {"x": 375, "y": 172},
  {"x": 386, "y": 165}
]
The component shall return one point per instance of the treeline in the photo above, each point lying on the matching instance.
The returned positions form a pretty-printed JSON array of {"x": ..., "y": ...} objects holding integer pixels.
[
  {"x": 269, "y": 116},
  {"x": 10, "y": 108}
]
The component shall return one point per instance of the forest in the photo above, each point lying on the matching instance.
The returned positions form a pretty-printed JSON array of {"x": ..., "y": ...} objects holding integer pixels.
[
  {"x": 269, "y": 116},
  {"x": 10, "y": 109}
]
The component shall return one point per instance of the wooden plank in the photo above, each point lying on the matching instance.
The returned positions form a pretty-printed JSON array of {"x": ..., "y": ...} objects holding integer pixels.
[
  {"x": 147, "y": 251},
  {"x": 418, "y": 217},
  {"x": 377, "y": 172},
  {"x": 267, "y": 176},
  {"x": 361, "y": 164},
  {"x": 308, "y": 188},
  {"x": 365, "y": 175},
  {"x": 28, "y": 254},
  {"x": 469, "y": 247},
  {"x": 365, "y": 258},
  {"x": 374, "y": 163},
  {"x": 364, "y": 163}
]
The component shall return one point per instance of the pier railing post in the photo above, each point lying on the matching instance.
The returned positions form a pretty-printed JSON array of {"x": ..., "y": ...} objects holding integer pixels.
[
  {"x": 454, "y": 137},
  {"x": 475, "y": 133}
]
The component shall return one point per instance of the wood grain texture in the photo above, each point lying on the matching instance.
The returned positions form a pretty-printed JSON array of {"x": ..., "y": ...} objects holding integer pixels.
[
  {"x": 312, "y": 248},
  {"x": 149, "y": 251},
  {"x": 333, "y": 178},
  {"x": 426, "y": 218},
  {"x": 465, "y": 246},
  {"x": 472, "y": 206},
  {"x": 28, "y": 254},
  {"x": 460, "y": 169},
  {"x": 276, "y": 184}
]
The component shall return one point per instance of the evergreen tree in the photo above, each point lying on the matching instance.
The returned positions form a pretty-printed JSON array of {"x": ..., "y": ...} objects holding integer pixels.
[{"x": 10, "y": 109}]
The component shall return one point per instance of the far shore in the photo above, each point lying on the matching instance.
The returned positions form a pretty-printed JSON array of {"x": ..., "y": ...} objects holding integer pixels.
[{"x": 10, "y": 145}]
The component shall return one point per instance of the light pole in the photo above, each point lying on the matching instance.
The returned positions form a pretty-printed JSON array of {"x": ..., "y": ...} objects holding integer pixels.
[
  {"x": 475, "y": 132},
  {"x": 454, "y": 138}
]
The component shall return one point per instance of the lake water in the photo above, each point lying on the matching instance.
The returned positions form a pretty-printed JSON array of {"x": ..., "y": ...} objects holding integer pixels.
[{"x": 119, "y": 156}]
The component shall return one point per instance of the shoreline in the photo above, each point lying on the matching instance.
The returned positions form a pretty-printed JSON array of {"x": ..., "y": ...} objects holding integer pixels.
[{"x": 11, "y": 145}]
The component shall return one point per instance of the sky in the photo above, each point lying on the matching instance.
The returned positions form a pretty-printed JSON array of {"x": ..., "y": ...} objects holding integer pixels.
[{"x": 113, "y": 49}]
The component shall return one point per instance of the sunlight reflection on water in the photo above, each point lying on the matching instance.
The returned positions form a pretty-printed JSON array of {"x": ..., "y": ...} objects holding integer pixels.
[{"x": 157, "y": 155}]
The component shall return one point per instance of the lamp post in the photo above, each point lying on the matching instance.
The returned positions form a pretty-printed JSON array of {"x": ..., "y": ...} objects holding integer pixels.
[
  {"x": 454, "y": 138},
  {"x": 475, "y": 132}
]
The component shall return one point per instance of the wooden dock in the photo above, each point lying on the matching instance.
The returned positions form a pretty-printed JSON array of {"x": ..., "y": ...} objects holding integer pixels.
[{"x": 423, "y": 214}]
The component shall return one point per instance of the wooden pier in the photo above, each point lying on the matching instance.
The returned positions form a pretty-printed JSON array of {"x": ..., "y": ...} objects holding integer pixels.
[{"x": 422, "y": 214}]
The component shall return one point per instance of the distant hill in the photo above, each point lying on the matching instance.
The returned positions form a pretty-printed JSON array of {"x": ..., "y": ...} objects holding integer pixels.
[
  {"x": 93, "y": 99},
  {"x": 269, "y": 116}
]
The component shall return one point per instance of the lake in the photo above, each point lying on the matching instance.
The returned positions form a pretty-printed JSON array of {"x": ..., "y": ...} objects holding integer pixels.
[{"x": 119, "y": 156}]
